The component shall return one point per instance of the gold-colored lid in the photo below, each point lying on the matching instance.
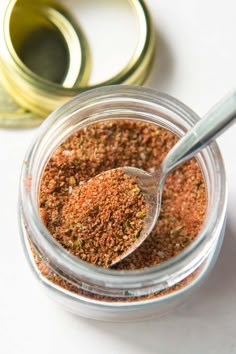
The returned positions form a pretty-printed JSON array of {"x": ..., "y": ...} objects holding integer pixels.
[
  {"x": 43, "y": 50},
  {"x": 31, "y": 88}
]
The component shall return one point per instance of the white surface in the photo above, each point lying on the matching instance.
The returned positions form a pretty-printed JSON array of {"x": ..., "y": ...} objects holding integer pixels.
[{"x": 196, "y": 63}]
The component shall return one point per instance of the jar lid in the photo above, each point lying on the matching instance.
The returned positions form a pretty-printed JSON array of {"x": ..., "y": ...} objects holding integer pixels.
[
  {"x": 38, "y": 56},
  {"x": 23, "y": 73}
]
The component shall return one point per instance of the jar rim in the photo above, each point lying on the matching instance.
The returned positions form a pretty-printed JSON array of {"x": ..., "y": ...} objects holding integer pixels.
[{"x": 117, "y": 279}]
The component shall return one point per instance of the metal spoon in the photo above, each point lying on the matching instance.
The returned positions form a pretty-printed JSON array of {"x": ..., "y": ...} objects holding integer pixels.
[{"x": 215, "y": 122}]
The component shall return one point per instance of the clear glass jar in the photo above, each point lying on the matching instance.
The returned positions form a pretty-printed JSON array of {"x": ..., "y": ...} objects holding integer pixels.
[{"x": 120, "y": 102}]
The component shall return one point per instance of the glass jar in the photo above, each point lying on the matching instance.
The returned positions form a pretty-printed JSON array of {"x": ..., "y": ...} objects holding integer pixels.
[{"x": 97, "y": 288}]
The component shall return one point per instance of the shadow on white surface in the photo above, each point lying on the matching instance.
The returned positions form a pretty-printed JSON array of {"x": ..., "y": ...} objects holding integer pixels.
[
  {"x": 203, "y": 323},
  {"x": 162, "y": 72},
  {"x": 222, "y": 280}
]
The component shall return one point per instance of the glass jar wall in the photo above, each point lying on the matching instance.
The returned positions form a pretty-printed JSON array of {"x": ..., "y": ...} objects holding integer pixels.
[{"x": 109, "y": 294}]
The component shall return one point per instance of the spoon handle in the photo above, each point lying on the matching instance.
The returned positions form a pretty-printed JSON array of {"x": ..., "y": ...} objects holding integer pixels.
[{"x": 214, "y": 123}]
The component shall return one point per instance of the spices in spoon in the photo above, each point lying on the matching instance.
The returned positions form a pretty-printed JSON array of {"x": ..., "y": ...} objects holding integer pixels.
[
  {"x": 103, "y": 217},
  {"x": 108, "y": 145}
]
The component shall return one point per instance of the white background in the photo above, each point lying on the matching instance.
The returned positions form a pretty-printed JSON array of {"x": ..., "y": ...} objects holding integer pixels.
[{"x": 195, "y": 62}]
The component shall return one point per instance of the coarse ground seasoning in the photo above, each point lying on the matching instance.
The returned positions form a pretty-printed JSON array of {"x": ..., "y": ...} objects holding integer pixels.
[
  {"x": 112, "y": 144},
  {"x": 102, "y": 218}
]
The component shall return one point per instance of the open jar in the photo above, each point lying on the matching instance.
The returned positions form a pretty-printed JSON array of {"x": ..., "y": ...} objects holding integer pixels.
[{"x": 109, "y": 294}]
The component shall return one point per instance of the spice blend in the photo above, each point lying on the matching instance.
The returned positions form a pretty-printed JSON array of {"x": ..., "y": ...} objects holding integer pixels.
[{"x": 103, "y": 146}]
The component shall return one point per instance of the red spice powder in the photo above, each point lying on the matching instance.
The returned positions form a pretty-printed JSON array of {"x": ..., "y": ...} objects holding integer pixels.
[
  {"x": 103, "y": 217},
  {"x": 112, "y": 144}
]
